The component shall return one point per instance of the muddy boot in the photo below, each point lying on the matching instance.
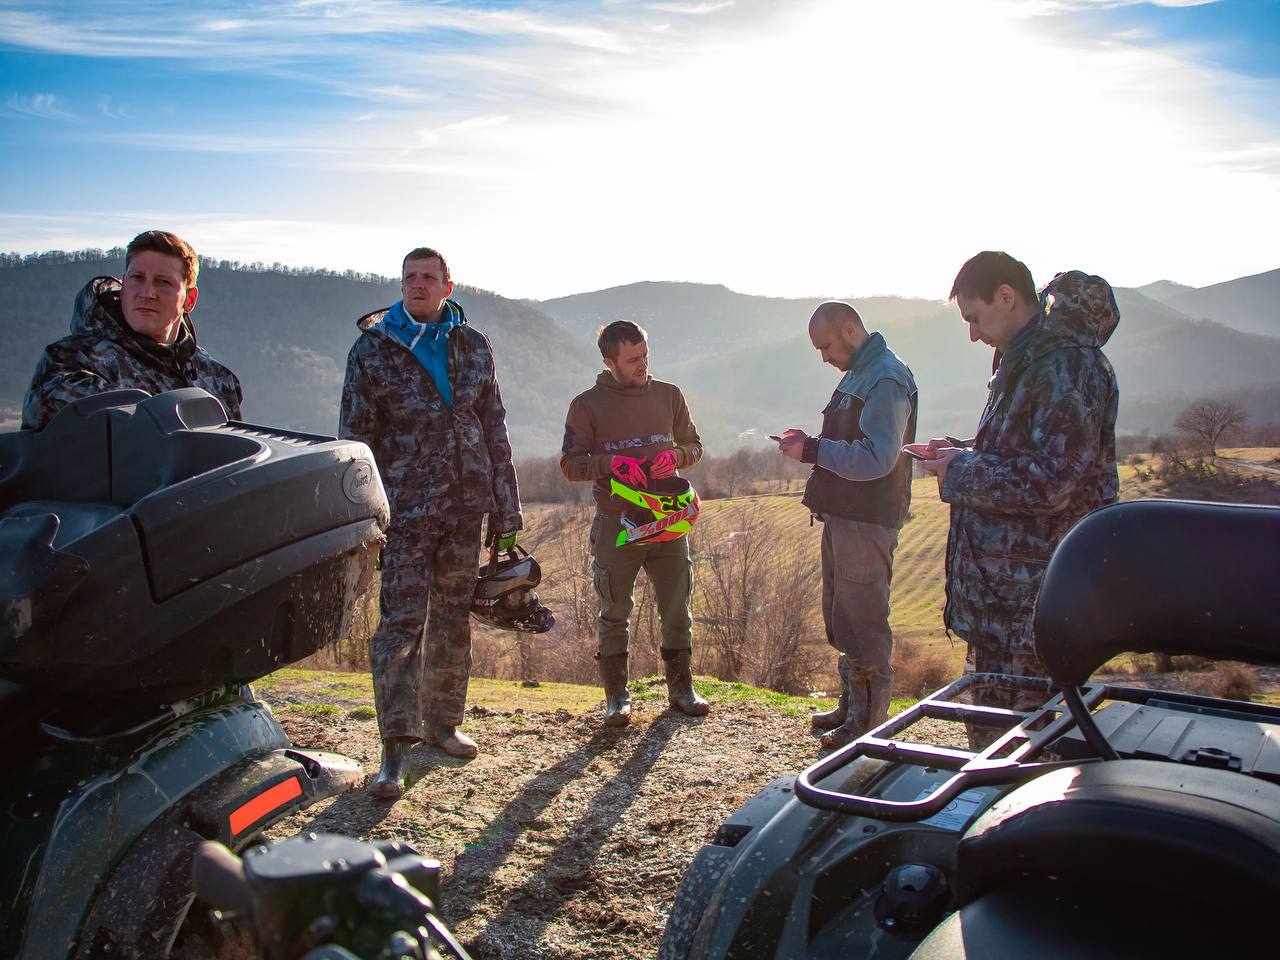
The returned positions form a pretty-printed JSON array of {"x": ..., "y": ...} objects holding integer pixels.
[
  {"x": 389, "y": 783},
  {"x": 878, "y": 688},
  {"x": 868, "y": 706},
  {"x": 453, "y": 741},
  {"x": 855, "y": 721},
  {"x": 680, "y": 692},
  {"x": 830, "y": 719},
  {"x": 617, "y": 699}
]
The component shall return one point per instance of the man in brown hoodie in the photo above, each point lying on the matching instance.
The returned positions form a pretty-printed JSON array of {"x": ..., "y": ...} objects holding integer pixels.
[{"x": 634, "y": 428}]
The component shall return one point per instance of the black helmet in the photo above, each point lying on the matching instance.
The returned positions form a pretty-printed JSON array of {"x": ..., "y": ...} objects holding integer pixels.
[{"x": 504, "y": 596}]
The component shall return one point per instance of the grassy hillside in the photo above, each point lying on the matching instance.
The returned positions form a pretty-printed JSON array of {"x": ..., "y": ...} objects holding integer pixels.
[{"x": 917, "y": 594}]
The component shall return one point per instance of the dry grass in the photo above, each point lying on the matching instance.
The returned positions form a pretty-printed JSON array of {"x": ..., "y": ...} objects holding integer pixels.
[
  {"x": 557, "y": 534},
  {"x": 919, "y": 669},
  {"x": 1256, "y": 454},
  {"x": 1232, "y": 681}
]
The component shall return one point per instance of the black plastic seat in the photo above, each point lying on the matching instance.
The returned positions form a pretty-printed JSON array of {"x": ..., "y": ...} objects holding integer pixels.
[{"x": 1174, "y": 576}]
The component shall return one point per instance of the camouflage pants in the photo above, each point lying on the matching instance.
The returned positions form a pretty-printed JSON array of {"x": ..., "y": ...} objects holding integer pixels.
[
  {"x": 421, "y": 651},
  {"x": 1021, "y": 664},
  {"x": 614, "y": 570},
  {"x": 857, "y": 568}
]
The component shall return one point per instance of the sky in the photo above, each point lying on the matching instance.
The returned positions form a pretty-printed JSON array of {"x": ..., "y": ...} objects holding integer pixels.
[{"x": 805, "y": 148}]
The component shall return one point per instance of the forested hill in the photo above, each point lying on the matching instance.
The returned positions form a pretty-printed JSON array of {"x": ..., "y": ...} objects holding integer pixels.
[
  {"x": 744, "y": 362},
  {"x": 286, "y": 334}
]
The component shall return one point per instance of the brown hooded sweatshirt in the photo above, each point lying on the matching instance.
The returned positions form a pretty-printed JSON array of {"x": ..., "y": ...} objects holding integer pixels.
[{"x": 611, "y": 420}]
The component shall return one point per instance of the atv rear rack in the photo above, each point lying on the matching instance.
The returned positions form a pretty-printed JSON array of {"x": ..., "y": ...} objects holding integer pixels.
[{"x": 1010, "y": 759}]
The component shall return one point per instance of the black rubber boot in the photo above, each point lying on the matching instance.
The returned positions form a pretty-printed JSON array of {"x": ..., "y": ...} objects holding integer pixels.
[
  {"x": 830, "y": 719},
  {"x": 680, "y": 692},
  {"x": 389, "y": 783},
  {"x": 617, "y": 699}
]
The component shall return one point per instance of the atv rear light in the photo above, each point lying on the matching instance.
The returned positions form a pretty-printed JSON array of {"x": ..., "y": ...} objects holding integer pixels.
[{"x": 251, "y": 811}]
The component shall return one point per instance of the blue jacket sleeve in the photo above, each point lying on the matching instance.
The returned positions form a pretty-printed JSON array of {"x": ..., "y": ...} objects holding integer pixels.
[{"x": 885, "y": 413}]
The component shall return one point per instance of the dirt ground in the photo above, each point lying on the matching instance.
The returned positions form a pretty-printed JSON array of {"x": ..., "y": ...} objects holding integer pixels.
[
  {"x": 561, "y": 839},
  {"x": 564, "y": 840}
]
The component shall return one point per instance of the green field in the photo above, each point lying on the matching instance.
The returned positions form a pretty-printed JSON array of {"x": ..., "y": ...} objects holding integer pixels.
[{"x": 917, "y": 594}]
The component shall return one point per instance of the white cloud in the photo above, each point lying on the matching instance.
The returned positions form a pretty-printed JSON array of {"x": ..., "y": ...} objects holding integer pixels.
[
  {"x": 476, "y": 123},
  {"x": 817, "y": 147},
  {"x": 43, "y": 106},
  {"x": 111, "y": 110},
  {"x": 695, "y": 9}
]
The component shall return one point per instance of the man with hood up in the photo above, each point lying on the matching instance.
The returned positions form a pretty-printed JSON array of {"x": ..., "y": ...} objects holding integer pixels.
[
  {"x": 132, "y": 333},
  {"x": 422, "y": 393},
  {"x": 1043, "y": 457}
]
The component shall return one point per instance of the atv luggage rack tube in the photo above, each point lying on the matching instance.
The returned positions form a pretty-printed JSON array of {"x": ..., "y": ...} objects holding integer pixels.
[{"x": 1010, "y": 759}]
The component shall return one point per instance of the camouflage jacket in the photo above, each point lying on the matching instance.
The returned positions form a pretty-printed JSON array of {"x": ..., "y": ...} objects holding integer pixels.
[
  {"x": 435, "y": 460},
  {"x": 1043, "y": 457},
  {"x": 102, "y": 353}
]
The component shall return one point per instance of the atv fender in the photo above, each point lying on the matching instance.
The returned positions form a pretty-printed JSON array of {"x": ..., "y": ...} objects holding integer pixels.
[{"x": 147, "y": 897}]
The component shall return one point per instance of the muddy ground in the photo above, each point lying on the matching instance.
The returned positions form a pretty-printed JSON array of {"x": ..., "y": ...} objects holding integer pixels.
[
  {"x": 564, "y": 840},
  {"x": 561, "y": 839}
]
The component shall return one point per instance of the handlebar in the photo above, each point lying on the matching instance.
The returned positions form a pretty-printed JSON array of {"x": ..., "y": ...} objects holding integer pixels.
[{"x": 328, "y": 897}]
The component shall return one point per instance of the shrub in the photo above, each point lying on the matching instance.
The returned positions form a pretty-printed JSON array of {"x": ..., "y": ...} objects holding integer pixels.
[
  {"x": 918, "y": 670},
  {"x": 1234, "y": 681}
]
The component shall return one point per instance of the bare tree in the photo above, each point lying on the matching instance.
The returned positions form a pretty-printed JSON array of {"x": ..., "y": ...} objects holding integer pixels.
[
  {"x": 1208, "y": 421},
  {"x": 733, "y": 556},
  {"x": 789, "y": 649}
]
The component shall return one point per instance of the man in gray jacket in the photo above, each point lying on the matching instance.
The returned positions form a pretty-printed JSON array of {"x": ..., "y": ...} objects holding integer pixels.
[{"x": 861, "y": 489}]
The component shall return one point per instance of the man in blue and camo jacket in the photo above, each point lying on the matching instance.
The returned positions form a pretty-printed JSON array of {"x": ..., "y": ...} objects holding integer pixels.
[
  {"x": 1043, "y": 457},
  {"x": 421, "y": 391}
]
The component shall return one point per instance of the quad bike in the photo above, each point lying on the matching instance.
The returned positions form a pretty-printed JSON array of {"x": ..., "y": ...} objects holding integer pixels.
[
  {"x": 1110, "y": 822},
  {"x": 155, "y": 559}
]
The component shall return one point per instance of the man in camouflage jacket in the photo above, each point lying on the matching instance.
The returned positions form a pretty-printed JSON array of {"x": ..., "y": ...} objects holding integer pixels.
[
  {"x": 1043, "y": 456},
  {"x": 421, "y": 391},
  {"x": 136, "y": 333}
]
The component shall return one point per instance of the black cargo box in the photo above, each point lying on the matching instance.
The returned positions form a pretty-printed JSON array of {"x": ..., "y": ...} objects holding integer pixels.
[{"x": 148, "y": 544}]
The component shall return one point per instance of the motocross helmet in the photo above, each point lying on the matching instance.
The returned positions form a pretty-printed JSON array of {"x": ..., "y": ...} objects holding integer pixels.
[
  {"x": 667, "y": 510},
  {"x": 504, "y": 596}
]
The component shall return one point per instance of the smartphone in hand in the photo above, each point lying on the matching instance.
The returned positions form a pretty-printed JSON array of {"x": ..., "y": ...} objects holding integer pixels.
[{"x": 919, "y": 451}]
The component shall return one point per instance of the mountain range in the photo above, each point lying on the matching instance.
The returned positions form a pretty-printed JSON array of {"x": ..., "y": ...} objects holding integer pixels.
[{"x": 744, "y": 362}]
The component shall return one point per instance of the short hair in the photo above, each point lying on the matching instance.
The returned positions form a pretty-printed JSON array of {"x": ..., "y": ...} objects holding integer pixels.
[
  {"x": 611, "y": 337},
  {"x": 983, "y": 274},
  {"x": 426, "y": 253},
  {"x": 170, "y": 244}
]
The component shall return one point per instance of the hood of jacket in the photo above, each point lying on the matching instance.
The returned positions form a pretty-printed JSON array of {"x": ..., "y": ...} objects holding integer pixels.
[
  {"x": 606, "y": 380},
  {"x": 1076, "y": 311},
  {"x": 97, "y": 313},
  {"x": 371, "y": 320}
]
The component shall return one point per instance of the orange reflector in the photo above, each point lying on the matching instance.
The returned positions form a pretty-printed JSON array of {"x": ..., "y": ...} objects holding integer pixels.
[{"x": 251, "y": 811}]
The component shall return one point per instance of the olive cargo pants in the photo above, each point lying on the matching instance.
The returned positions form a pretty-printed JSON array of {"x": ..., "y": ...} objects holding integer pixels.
[{"x": 614, "y": 570}]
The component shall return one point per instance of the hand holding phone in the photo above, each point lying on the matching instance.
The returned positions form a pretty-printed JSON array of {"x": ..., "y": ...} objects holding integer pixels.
[{"x": 919, "y": 451}]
